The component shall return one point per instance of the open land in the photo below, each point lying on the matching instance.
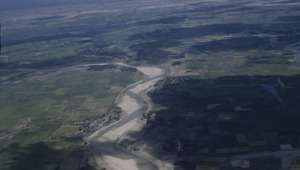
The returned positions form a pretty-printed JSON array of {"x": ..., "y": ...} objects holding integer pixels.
[{"x": 82, "y": 85}]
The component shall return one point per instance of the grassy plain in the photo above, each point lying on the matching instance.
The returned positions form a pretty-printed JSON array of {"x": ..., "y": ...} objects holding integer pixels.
[
  {"x": 213, "y": 120},
  {"x": 46, "y": 96},
  {"x": 46, "y": 109}
]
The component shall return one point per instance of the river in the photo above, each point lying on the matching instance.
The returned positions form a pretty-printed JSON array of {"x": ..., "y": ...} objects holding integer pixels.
[{"x": 133, "y": 105}]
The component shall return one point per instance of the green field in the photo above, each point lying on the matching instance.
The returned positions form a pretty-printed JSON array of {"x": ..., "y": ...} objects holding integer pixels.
[
  {"x": 49, "y": 101},
  {"x": 213, "y": 120},
  {"x": 42, "y": 112}
]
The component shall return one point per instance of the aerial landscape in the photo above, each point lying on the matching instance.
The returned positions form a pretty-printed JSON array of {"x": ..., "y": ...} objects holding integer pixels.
[{"x": 149, "y": 85}]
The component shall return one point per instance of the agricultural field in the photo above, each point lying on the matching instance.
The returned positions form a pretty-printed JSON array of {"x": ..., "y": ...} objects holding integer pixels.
[
  {"x": 239, "y": 92},
  {"x": 232, "y": 88},
  {"x": 45, "y": 112},
  {"x": 207, "y": 121}
]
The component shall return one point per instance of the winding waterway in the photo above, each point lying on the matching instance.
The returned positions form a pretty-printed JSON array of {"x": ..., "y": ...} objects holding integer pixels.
[{"x": 133, "y": 105}]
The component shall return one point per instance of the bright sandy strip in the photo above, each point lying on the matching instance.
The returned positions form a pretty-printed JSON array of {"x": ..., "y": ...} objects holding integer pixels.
[
  {"x": 144, "y": 86},
  {"x": 150, "y": 71},
  {"x": 120, "y": 164},
  {"x": 118, "y": 132},
  {"x": 123, "y": 64},
  {"x": 128, "y": 105},
  {"x": 99, "y": 64}
]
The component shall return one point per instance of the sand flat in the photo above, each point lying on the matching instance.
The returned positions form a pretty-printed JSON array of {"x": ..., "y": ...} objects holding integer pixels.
[{"x": 128, "y": 105}]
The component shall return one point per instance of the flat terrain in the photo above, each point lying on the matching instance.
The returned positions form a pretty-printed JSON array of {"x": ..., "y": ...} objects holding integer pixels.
[
  {"x": 232, "y": 89},
  {"x": 56, "y": 107}
]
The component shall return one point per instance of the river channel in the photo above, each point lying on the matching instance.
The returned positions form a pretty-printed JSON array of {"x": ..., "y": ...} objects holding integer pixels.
[{"x": 102, "y": 141}]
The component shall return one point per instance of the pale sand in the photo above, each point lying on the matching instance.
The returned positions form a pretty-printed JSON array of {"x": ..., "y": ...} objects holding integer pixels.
[
  {"x": 120, "y": 164},
  {"x": 128, "y": 105},
  {"x": 150, "y": 71},
  {"x": 145, "y": 86},
  {"x": 114, "y": 134},
  {"x": 123, "y": 64},
  {"x": 98, "y": 64}
]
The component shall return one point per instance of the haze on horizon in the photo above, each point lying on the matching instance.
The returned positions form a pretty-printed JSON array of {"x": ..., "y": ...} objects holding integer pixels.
[{"x": 8, "y": 5}]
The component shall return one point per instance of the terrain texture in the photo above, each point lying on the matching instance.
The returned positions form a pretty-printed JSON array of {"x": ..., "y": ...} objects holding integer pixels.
[{"x": 136, "y": 84}]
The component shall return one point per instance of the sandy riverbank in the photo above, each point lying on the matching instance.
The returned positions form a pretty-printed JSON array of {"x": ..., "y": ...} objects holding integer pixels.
[{"x": 128, "y": 105}]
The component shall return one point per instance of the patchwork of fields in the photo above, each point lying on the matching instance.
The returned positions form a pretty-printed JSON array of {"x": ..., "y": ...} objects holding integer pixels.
[{"x": 233, "y": 86}]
